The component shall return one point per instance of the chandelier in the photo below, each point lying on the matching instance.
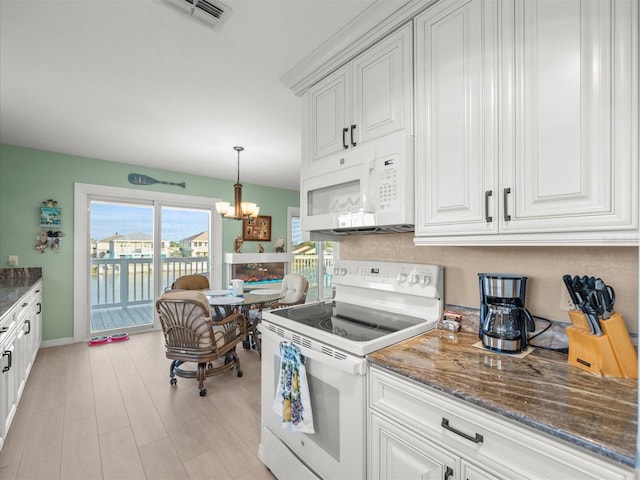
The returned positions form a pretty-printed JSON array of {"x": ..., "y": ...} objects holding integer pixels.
[{"x": 240, "y": 210}]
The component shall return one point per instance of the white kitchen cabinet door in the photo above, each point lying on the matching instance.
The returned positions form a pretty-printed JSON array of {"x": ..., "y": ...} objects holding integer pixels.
[
  {"x": 396, "y": 453},
  {"x": 8, "y": 390},
  {"x": 364, "y": 100},
  {"x": 456, "y": 168},
  {"x": 472, "y": 472},
  {"x": 329, "y": 114},
  {"x": 569, "y": 115},
  {"x": 382, "y": 89}
]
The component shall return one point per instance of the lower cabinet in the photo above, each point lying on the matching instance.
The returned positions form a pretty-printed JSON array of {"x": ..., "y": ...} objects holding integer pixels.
[
  {"x": 418, "y": 433},
  {"x": 20, "y": 336}
]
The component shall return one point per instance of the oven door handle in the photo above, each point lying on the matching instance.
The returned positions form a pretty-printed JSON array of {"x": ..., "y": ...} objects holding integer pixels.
[{"x": 346, "y": 363}]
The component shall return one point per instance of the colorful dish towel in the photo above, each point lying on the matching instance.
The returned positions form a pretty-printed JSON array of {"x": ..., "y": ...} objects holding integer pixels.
[{"x": 292, "y": 402}]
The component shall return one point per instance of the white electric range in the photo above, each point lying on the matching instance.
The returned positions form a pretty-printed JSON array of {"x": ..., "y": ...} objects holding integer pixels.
[{"x": 376, "y": 304}]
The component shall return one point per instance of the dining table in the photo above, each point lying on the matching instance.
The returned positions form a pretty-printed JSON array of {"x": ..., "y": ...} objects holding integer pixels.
[{"x": 250, "y": 304}]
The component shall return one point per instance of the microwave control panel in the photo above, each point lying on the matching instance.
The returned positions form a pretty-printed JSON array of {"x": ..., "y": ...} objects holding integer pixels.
[{"x": 388, "y": 174}]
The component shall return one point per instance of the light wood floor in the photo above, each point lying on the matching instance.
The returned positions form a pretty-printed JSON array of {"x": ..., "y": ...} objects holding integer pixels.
[{"x": 108, "y": 412}]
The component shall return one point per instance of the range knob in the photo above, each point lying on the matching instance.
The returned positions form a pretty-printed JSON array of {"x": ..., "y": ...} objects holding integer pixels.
[
  {"x": 343, "y": 271},
  {"x": 425, "y": 280},
  {"x": 415, "y": 278},
  {"x": 402, "y": 277}
]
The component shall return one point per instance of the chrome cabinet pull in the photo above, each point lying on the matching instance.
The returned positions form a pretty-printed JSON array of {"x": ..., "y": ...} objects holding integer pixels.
[
  {"x": 344, "y": 137},
  {"x": 353, "y": 127},
  {"x": 487, "y": 217},
  {"x": 476, "y": 439},
  {"x": 7, "y": 353},
  {"x": 506, "y": 193}
]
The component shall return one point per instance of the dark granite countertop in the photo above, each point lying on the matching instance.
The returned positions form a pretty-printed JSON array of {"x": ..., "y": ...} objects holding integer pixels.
[
  {"x": 541, "y": 390},
  {"x": 14, "y": 283}
]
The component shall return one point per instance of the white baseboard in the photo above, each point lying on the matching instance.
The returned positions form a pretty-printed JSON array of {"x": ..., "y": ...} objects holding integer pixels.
[{"x": 56, "y": 342}]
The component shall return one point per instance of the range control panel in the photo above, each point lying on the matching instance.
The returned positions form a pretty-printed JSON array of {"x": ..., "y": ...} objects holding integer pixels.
[{"x": 389, "y": 276}]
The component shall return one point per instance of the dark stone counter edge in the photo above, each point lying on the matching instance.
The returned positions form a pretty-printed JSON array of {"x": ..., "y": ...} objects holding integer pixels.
[{"x": 523, "y": 419}]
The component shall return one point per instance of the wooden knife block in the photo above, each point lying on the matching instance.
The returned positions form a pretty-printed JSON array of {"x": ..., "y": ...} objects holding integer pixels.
[{"x": 610, "y": 355}]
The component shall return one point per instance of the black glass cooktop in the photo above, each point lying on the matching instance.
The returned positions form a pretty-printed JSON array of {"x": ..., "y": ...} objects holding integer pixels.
[{"x": 352, "y": 322}]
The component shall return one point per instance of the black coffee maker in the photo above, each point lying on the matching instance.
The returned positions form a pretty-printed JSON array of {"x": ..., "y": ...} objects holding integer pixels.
[{"x": 504, "y": 322}]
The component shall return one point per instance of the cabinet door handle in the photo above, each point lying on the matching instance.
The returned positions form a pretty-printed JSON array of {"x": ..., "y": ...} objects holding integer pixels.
[
  {"x": 353, "y": 144},
  {"x": 39, "y": 308},
  {"x": 4, "y": 329},
  {"x": 344, "y": 137},
  {"x": 25, "y": 304},
  {"x": 7, "y": 353},
  {"x": 28, "y": 322},
  {"x": 487, "y": 194},
  {"x": 505, "y": 194},
  {"x": 476, "y": 439},
  {"x": 448, "y": 473}
]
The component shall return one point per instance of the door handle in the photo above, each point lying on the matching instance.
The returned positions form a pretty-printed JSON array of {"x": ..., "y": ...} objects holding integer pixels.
[
  {"x": 7, "y": 353},
  {"x": 28, "y": 322},
  {"x": 39, "y": 308},
  {"x": 505, "y": 194},
  {"x": 475, "y": 439},
  {"x": 448, "y": 473},
  {"x": 344, "y": 137},
  {"x": 353, "y": 127},
  {"x": 487, "y": 194}
]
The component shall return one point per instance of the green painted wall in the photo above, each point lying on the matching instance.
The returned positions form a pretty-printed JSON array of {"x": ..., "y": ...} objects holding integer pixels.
[{"x": 28, "y": 177}]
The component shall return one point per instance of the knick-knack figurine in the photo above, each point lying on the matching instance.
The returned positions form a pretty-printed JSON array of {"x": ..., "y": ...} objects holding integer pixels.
[
  {"x": 237, "y": 244},
  {"x": 279, "y": 245},
  {"x": 260, "y": 248}
]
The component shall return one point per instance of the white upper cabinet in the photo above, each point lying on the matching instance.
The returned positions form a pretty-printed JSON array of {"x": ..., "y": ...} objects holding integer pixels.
[
  {"x": 527, "y": 122},
  {"x": 456, "y": 129},
  {"x": 568, "y": 109},
  {"x": 366, "y": 99}
]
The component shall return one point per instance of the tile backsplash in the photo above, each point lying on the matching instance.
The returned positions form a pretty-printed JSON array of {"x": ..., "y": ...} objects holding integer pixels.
[{"x": 544, "y": 267}]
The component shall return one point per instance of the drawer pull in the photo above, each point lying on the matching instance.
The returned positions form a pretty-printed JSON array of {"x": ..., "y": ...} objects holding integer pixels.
[
  {"x": 4, "y": 329},
  {"x": 477, "y": 439},
  {"x": 39, "y": 308},
  {"x": 7, "y": 353},
  {"x": 28, "y": 323}
]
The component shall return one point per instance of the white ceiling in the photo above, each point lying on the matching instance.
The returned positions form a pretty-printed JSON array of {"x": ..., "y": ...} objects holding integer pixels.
[{"x": 137, "y": 81}]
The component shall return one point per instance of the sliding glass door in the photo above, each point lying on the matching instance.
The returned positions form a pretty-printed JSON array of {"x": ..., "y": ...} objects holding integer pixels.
[
  {"x": 121, "y": 265},
  {"x": 123, "y": 260},
  {"x": 131, "y": 246}
]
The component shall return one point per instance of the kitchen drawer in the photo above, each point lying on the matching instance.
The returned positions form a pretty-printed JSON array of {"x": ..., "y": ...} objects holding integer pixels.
[
  {"x": 8, "y": 323},
  {"x": 483, "y": 437}
]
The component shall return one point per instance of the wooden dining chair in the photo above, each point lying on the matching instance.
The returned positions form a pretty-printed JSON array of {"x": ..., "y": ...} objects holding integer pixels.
[
  {"x": 191, "y": 282},
  {"x": 192, "y": 336}
]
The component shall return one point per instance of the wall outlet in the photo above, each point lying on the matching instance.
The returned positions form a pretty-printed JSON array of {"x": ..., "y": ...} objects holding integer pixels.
[
  {"x": 13, "y": 260},
  {"x": 565, "y": 300}
]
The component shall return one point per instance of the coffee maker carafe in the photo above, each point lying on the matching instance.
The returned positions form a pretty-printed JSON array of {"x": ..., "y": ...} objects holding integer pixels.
[{"x": 504, "y": 321}]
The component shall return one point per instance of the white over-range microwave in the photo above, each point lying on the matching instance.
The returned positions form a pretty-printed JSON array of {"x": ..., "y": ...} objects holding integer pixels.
[{"x": 370, "y": 191}]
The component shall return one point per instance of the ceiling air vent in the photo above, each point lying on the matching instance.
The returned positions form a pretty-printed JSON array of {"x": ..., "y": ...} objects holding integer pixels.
[{"x": 209, "y": 12}]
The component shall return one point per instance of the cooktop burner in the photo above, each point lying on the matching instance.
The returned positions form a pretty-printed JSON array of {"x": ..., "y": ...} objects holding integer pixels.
[{"x": 351, "y": 322}]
